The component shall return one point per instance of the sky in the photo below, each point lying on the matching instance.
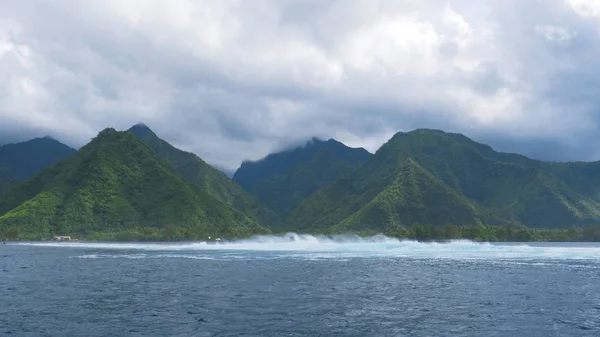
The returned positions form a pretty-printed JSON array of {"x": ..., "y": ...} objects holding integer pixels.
[{"x": 235, "y": 80}]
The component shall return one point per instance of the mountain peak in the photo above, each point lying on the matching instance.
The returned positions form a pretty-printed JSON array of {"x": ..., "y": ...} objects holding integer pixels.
[
  {"x": 107, "y": 131},
  {"x": 40, "y": 140},
  {"x": 23, "y": 160},
  {"x": 142, "y": 130},
  {"x": 283, "y": 179},
  {"x": 315, "y": 140},
  {"x": 420, "y": 132},
  {"x": 146, "y": 191}
]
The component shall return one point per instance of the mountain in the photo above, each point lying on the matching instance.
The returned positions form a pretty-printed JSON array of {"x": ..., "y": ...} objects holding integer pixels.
[
  {"x": 116, "y": 185},
  {"x": 411, "y": 195},
  {"x": 135, "y": 185},
  {"x": 514, "y": 187},
  {"x": 582, "y": 177},
  {"x": 498, "y": 187},
  {"x": 5, "y": 180},
  {"x": 21, "y": 161},
  {"x": 281, "y": 181},
  {"x": 198, "y": 172}
]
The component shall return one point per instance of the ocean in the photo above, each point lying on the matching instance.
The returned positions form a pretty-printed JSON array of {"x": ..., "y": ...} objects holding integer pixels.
[{"x": 300, "y": 286}]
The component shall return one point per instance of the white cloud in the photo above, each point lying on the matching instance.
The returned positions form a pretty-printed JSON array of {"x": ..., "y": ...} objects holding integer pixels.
[
  {"x": 231, "y": 79},
  {"x": 587, "y": 8},
  {"x": 555, "y": 34}
]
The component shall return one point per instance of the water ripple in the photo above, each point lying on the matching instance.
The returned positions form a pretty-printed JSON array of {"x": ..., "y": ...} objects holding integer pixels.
[{"x": 142, "y": 290}]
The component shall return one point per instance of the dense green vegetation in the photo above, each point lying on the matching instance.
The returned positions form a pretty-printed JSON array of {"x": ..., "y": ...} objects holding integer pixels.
[
  {"x": 511, "y": 186},
  {"x": 495, "y": 187},
  {"x": 397, "y": 194},
  {"x": 5, "y": 180},
  {"x": 136, "y": 186},
  {"x": 116, "y": 186},
  {"x": 510, "y": 232},
  {"x": 414, "y": 195},
  {"x": 282, "y": 180},
  {"x": 210, "y": 180}
]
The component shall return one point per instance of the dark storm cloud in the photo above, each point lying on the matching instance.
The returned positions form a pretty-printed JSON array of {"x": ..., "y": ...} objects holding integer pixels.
[{"x": 233, "y": 80}]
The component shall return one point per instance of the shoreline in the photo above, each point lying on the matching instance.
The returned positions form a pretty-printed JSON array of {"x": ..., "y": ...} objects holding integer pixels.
[
  {"x": 249, "y": 240},
  {"x": 479, "y": 233}
]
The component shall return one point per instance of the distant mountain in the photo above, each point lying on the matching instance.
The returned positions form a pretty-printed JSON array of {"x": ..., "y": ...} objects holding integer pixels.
[
  {"x": 414, "y": 195},
  {"x": 409, "y": 194},
  {"x": 21, "y": 161},
  {"x": 135, "y": 185},
  {"x": 5, "y": 180},
  {"x": 582, "y": 177},
  {"x": 117, "y": 184},
  {"x": 512, "y": 186},
  {"x": 211, "y": 180},
  {"x": 447, "y": 169},
  {"x": 281, "y": 181}
]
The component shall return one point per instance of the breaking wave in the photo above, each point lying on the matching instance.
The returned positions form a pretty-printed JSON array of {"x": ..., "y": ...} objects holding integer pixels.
[{"x": 344, "y": 246}]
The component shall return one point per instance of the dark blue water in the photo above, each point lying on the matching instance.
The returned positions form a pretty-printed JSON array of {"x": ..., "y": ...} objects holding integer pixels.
[{"x": 312, "y": 289}]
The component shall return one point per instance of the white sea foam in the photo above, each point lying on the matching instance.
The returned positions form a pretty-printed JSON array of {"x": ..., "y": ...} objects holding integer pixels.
[
  {"x": 112, "y": 256},
  {"x": 316, "y": 247}
]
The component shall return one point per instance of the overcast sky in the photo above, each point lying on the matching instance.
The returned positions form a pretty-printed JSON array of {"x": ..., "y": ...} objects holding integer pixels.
[{"x": 234, "y": 80}]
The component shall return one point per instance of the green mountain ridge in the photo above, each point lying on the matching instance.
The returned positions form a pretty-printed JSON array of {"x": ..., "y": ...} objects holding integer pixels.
[
  {"x": 509, "y": 185},
  {"x": 582, "y": 177},
  {"x": 5, "y": 180},
  {"x": 282, "y": 180},
  {"x": 132, "y": 185},
  {"x": 117, "y": 184},
  {"x": 414, "y": 196},
  {"x": 21, "y": 161},
  {"x": 209, "y": 179},
  {"x": 503, "y": 187}
]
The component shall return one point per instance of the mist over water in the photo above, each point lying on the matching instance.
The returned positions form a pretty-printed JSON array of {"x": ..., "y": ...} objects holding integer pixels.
[{"x": 293, "y": 245}]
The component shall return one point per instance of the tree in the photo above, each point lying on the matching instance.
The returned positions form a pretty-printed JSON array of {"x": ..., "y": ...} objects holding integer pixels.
[
  {"x": 510, "y": 227},
  {"x": 419, "y": 232},
  {"x": 573, "y": 234},
  {"x": 170, "y": 231},
  {"x": 395, "y": 230},
  {"x": 450, "y": 231}
]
